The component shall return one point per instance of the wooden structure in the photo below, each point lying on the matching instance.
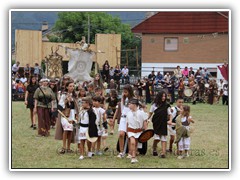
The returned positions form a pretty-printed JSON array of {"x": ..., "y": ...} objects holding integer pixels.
[
  {"x": 30, "y": 48},
  {"x": 108, "y": 47}
]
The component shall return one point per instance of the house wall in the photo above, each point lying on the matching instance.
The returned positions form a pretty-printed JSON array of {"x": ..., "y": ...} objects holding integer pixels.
[{"x": 201, "y": 48}]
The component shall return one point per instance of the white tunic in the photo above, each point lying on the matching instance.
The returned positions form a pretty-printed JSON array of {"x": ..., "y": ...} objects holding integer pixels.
[
  {"x": 83, "y": 119},
  {"x": 99, "y": 120},
  {"x": 135, "y": 121}
]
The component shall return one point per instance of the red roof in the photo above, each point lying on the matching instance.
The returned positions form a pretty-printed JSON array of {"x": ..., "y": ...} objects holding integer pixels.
[{"x": 184, "y": 23}]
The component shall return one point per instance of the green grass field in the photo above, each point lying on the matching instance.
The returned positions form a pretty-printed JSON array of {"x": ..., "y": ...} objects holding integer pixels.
[{"x": 209, "y": 145}]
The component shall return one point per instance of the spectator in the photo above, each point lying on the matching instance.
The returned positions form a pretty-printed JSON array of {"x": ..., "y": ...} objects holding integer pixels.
[
  {"x": 198, "y": 75},
  {"x": 20, "y": 88},
  {"x": 112, "y": 85},
  {"x": 15, "y": 68},
  {"x": 185, "y": 72},
  {"x": 191, "y": 72},
  {"x": 167, "y": 78},
  {"x": 206, "y": 74},
  {"x": 27, "y": 71},
  {"x": 117, "y": 75},
  {"x": 220, "y": 89},
  {"x": 158, "y": 78},
  {"x": 125, "y": 74},
  {"x": 225, "y": 94},
  {"x": 37, "y": 70},
  {"x": 106, "y": 68},
  {"x": 23, "y": 79},
  {"x": 111, "y": 73},
  {"x": 151, "y": 80},
  {"x": 177, "y": 72}
]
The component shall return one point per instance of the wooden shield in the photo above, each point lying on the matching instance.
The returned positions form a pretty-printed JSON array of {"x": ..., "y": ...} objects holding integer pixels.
[{"x": 146, "y": 135}]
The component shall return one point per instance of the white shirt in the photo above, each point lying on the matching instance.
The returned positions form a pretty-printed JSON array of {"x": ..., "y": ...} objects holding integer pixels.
[
  {"x": 124, "y": 107},
  {"x": 15, "y": 68},
  {"x": 125, "y": 71},
  {"x": 225, "y": 91},
  {"x": 135, "y": 119},
  {"x": 83, "y": 117},
  {"x": 23, "y": 79},
  {"x": 99, "y": 114}
]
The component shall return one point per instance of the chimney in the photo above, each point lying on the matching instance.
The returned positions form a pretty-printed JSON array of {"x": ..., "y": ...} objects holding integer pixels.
[{"x": 44, "y": 25}]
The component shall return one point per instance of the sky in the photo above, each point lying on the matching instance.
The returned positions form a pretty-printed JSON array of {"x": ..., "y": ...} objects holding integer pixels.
[{"x": 124, "y": 4}]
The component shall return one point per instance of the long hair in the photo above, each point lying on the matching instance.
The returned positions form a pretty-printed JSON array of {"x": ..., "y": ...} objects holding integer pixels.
[
  {"x": 30, "y": 80},
  {"x": 158, "y": 99},
  {"x": 186, "y": 110},
  {"x": 114, "y": 93},
  {"x": 128, "y": 88},
  {"x": 66, "y": 90}
]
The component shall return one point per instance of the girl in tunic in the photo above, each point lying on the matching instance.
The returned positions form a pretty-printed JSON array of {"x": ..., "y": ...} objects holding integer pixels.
[
  {"x": 29, "y": 100},
  {"x": 83, "y": 127},
  {"x": 162, "y": 116},
  {"x": 68, "y": 101},
  {"x": 126, "y": 96},
  {"x": 183, "y": 132},
  {"x": 112, "y": 104}
]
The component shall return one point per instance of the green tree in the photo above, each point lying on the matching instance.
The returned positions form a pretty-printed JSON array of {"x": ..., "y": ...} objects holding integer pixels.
[{"x": 71, "y": 26}]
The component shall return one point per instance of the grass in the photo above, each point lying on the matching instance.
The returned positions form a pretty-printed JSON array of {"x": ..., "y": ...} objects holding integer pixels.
[{"x": 209, "y": 145}]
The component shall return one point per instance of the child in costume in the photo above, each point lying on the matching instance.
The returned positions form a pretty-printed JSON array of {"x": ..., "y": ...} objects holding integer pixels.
[
  {"x": 136, "y": 123},
  {"x": 183, "y": 132}
]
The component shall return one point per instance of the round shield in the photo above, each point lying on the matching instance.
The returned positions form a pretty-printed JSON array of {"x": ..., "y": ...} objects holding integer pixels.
[
  {"x": 146, "y": 135},
  {"x": 91, "y": 139},
  {"x": 188, "y": 92}
]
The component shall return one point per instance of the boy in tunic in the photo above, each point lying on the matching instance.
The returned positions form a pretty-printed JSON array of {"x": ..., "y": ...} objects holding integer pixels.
[{"x": 136, "y": 123}]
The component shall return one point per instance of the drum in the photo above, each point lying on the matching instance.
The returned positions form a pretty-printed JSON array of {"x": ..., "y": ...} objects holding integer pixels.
[{"x": 188, "y": 92}]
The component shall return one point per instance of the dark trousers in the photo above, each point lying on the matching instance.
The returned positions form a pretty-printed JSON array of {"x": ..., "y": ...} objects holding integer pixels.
[{"x": 225, "y": 99}]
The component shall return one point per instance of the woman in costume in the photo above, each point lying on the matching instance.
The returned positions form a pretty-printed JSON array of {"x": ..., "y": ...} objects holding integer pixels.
[
  {"x": 43, "y": 105},
  {"x": 29, "y": 100}
]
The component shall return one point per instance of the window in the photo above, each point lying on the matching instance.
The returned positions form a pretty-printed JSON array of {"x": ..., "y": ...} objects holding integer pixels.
[{"x": 170, "y": 44}]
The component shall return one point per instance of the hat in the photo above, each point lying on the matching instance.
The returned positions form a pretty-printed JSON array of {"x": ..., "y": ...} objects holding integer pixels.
[
  {"x": 44, "y": 79},
  {"x": 134, "y": 101}
]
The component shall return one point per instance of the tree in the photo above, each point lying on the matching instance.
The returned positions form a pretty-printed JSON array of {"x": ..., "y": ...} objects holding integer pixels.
[{"x": 71, "y": 26}]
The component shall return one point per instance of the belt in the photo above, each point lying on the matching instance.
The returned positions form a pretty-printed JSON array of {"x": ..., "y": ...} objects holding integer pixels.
[
  {"x": 83, "y": 125},
  {"x": 134, "y": 130},
  {"x": 123, "y": 116}
]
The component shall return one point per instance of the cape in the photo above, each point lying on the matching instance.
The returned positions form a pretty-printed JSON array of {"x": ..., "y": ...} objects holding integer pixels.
[
  {"x": 92, "y": 127},
  {"x": 160, "y": 119}
]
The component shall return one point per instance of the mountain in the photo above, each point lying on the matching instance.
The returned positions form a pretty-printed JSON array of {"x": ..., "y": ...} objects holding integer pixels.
[{"x": 32, "y": 20}]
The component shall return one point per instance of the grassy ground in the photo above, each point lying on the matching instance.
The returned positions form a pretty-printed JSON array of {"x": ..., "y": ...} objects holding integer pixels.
[{"x": 209, "y": 145}]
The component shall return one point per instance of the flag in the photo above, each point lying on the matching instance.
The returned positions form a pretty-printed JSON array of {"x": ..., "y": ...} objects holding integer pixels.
[{"x": 224, "y": 71}]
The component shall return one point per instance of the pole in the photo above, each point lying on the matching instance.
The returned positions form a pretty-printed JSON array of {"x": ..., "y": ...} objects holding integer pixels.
[
  {"x": 88, "y": 29},
  {"x": 137, "y": 60}
]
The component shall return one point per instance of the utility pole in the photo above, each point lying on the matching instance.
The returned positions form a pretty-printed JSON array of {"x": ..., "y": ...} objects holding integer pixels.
[{"x": 88, "y": 29}]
